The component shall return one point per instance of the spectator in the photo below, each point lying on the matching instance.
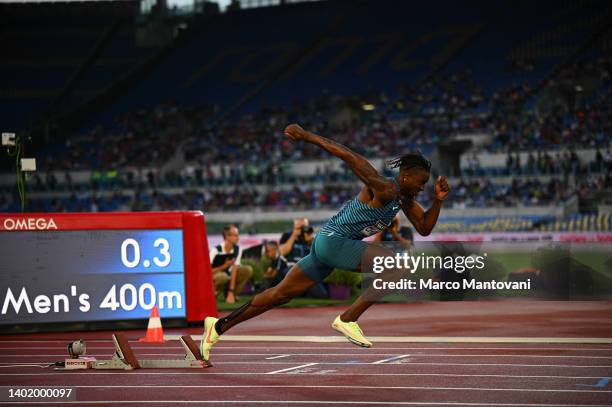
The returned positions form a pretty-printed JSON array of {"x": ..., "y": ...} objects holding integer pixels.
[
  {"x": 297, "y": 244},
  {"x": 226, "y": 268},
  {"x": 278, "y": 265}
]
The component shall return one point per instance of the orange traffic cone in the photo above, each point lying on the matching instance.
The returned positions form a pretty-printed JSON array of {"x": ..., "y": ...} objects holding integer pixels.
[{"x": 155, "y": 333}]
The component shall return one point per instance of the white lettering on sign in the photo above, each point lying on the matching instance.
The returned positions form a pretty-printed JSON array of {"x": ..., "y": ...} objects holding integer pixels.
[
  {"x": 29, "y": 224},
  {"x": 42, "y": 303},
  {"x": 16, "y": 303}
]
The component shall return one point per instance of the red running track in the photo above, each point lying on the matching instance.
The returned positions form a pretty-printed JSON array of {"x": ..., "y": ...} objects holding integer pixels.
[{"x": 315, "y": 374}]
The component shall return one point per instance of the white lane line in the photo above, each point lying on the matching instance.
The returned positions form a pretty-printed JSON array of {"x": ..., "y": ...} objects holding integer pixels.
[
  {"x": 292, "y": 368},
  {"x": 400, "y": 339},
  {"x": 319, "y": 386},
  {"x": 378, "y": 362},
  {"x": 276, "y": 346},
  {"x": 452, "y": 347},
  {"x": 273, "y": 357},
  {"x": 389, "y": 365},
  {"x": 365, "y": 353},
  {"x": 301, "y": 402},
  {"x": 132, "y": 373},
  {"x": 432, "y": 364}
]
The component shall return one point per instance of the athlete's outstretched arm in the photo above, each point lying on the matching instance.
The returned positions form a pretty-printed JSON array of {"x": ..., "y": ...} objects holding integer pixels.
[
  {"x": 356, "y": 162},
  {"x": 424, "y": 221}
]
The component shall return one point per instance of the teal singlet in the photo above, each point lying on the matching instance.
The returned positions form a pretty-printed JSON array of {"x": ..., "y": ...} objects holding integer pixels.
[{"x": 357, "y": 220}]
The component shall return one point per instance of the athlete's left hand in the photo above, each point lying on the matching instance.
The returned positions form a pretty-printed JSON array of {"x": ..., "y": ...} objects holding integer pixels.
[{"x": 441, "y": 188}]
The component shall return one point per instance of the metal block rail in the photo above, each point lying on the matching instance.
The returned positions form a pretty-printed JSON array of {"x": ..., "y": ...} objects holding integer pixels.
[{"x": 125, "y": 359}]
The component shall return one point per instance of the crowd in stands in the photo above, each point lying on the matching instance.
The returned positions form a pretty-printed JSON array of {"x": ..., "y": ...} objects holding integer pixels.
[
  {"x": 561, "y": 163},
  {"x": 146, "y": 137},
  {"x": 599, "y": 68},
  {"x": 415, "y": 117},
  {"x": 575, "y": 117},
  {"x": 560, "y": 128},
  {"x": 270, "y": 174},
  {"x": 527, "y": 192},
  {"x": 454, "y": 93},
  {"x": 466, "y": 193},
  {"x": 252, "y": 150}
]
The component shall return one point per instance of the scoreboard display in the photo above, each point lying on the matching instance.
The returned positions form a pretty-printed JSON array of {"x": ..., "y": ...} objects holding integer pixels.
[{"x": 103, "y": 267}]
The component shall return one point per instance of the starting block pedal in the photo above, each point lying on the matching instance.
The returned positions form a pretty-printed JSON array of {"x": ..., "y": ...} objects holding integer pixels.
[{"x": 125, "y": 359}]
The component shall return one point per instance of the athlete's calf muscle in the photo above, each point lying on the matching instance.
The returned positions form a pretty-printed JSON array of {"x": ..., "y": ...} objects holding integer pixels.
[{"x": 294, "y": 284}]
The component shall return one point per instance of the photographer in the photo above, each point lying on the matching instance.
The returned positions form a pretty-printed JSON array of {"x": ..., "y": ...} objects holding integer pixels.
[
  {"x": 295, "y": 245},
  {"x": 278, "y": 265},
  {"x": 225, "y": 265}
]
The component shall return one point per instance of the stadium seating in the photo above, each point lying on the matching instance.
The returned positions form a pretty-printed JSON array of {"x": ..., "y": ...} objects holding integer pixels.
[{"x": 201, "y": 127}]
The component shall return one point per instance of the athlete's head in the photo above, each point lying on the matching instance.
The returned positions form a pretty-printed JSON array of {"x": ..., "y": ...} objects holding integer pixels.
[{"x": 414, "y": 172}]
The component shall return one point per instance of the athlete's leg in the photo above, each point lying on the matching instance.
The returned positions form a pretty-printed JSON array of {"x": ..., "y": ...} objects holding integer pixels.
[
  {"x": 294, "y": 284},
  {"x": 357, "y": 308},
  {"x": 300, "y": 278},
  {"x": 370, "y": 296},
  {"x": 355, "y": 255}
]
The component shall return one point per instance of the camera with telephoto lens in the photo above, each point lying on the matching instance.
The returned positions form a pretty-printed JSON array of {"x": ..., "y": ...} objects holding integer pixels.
[{"x": 305, "y": 229}]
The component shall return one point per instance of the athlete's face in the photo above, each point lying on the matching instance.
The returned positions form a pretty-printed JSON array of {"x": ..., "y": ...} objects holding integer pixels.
[{"x": 413, "y": 181}]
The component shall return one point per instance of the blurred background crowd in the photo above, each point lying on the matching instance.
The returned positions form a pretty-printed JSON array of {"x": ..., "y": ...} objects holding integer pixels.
[{"x": 148, "y": 106}]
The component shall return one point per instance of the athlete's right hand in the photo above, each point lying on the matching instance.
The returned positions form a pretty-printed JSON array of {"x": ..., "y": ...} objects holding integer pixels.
[{"x": 295, "y": 132}]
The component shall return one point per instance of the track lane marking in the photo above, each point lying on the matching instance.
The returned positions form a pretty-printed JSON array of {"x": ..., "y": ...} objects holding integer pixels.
[
  {"x": 396, "y": 339},
  {"x": 276, "y": 346},
  {"x": 410, "y": 363},
  {"x": 132, "y": 373},
  {"x": 63, "y": 354},
  {"x": 378, "y": 362},
  {"x": 273, "y": 357},
  {"x": 292, "y": 368},
  {"x": 327, "y": 386},
  {"x": 265, "y": 402}
]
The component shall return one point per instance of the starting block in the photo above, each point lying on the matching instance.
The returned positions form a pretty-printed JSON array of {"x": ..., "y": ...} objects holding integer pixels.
[{"x": 125, "y": 359}]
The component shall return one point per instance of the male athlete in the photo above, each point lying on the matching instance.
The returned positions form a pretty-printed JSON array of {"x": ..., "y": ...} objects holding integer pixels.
[{"x": 339, "y": 243}]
